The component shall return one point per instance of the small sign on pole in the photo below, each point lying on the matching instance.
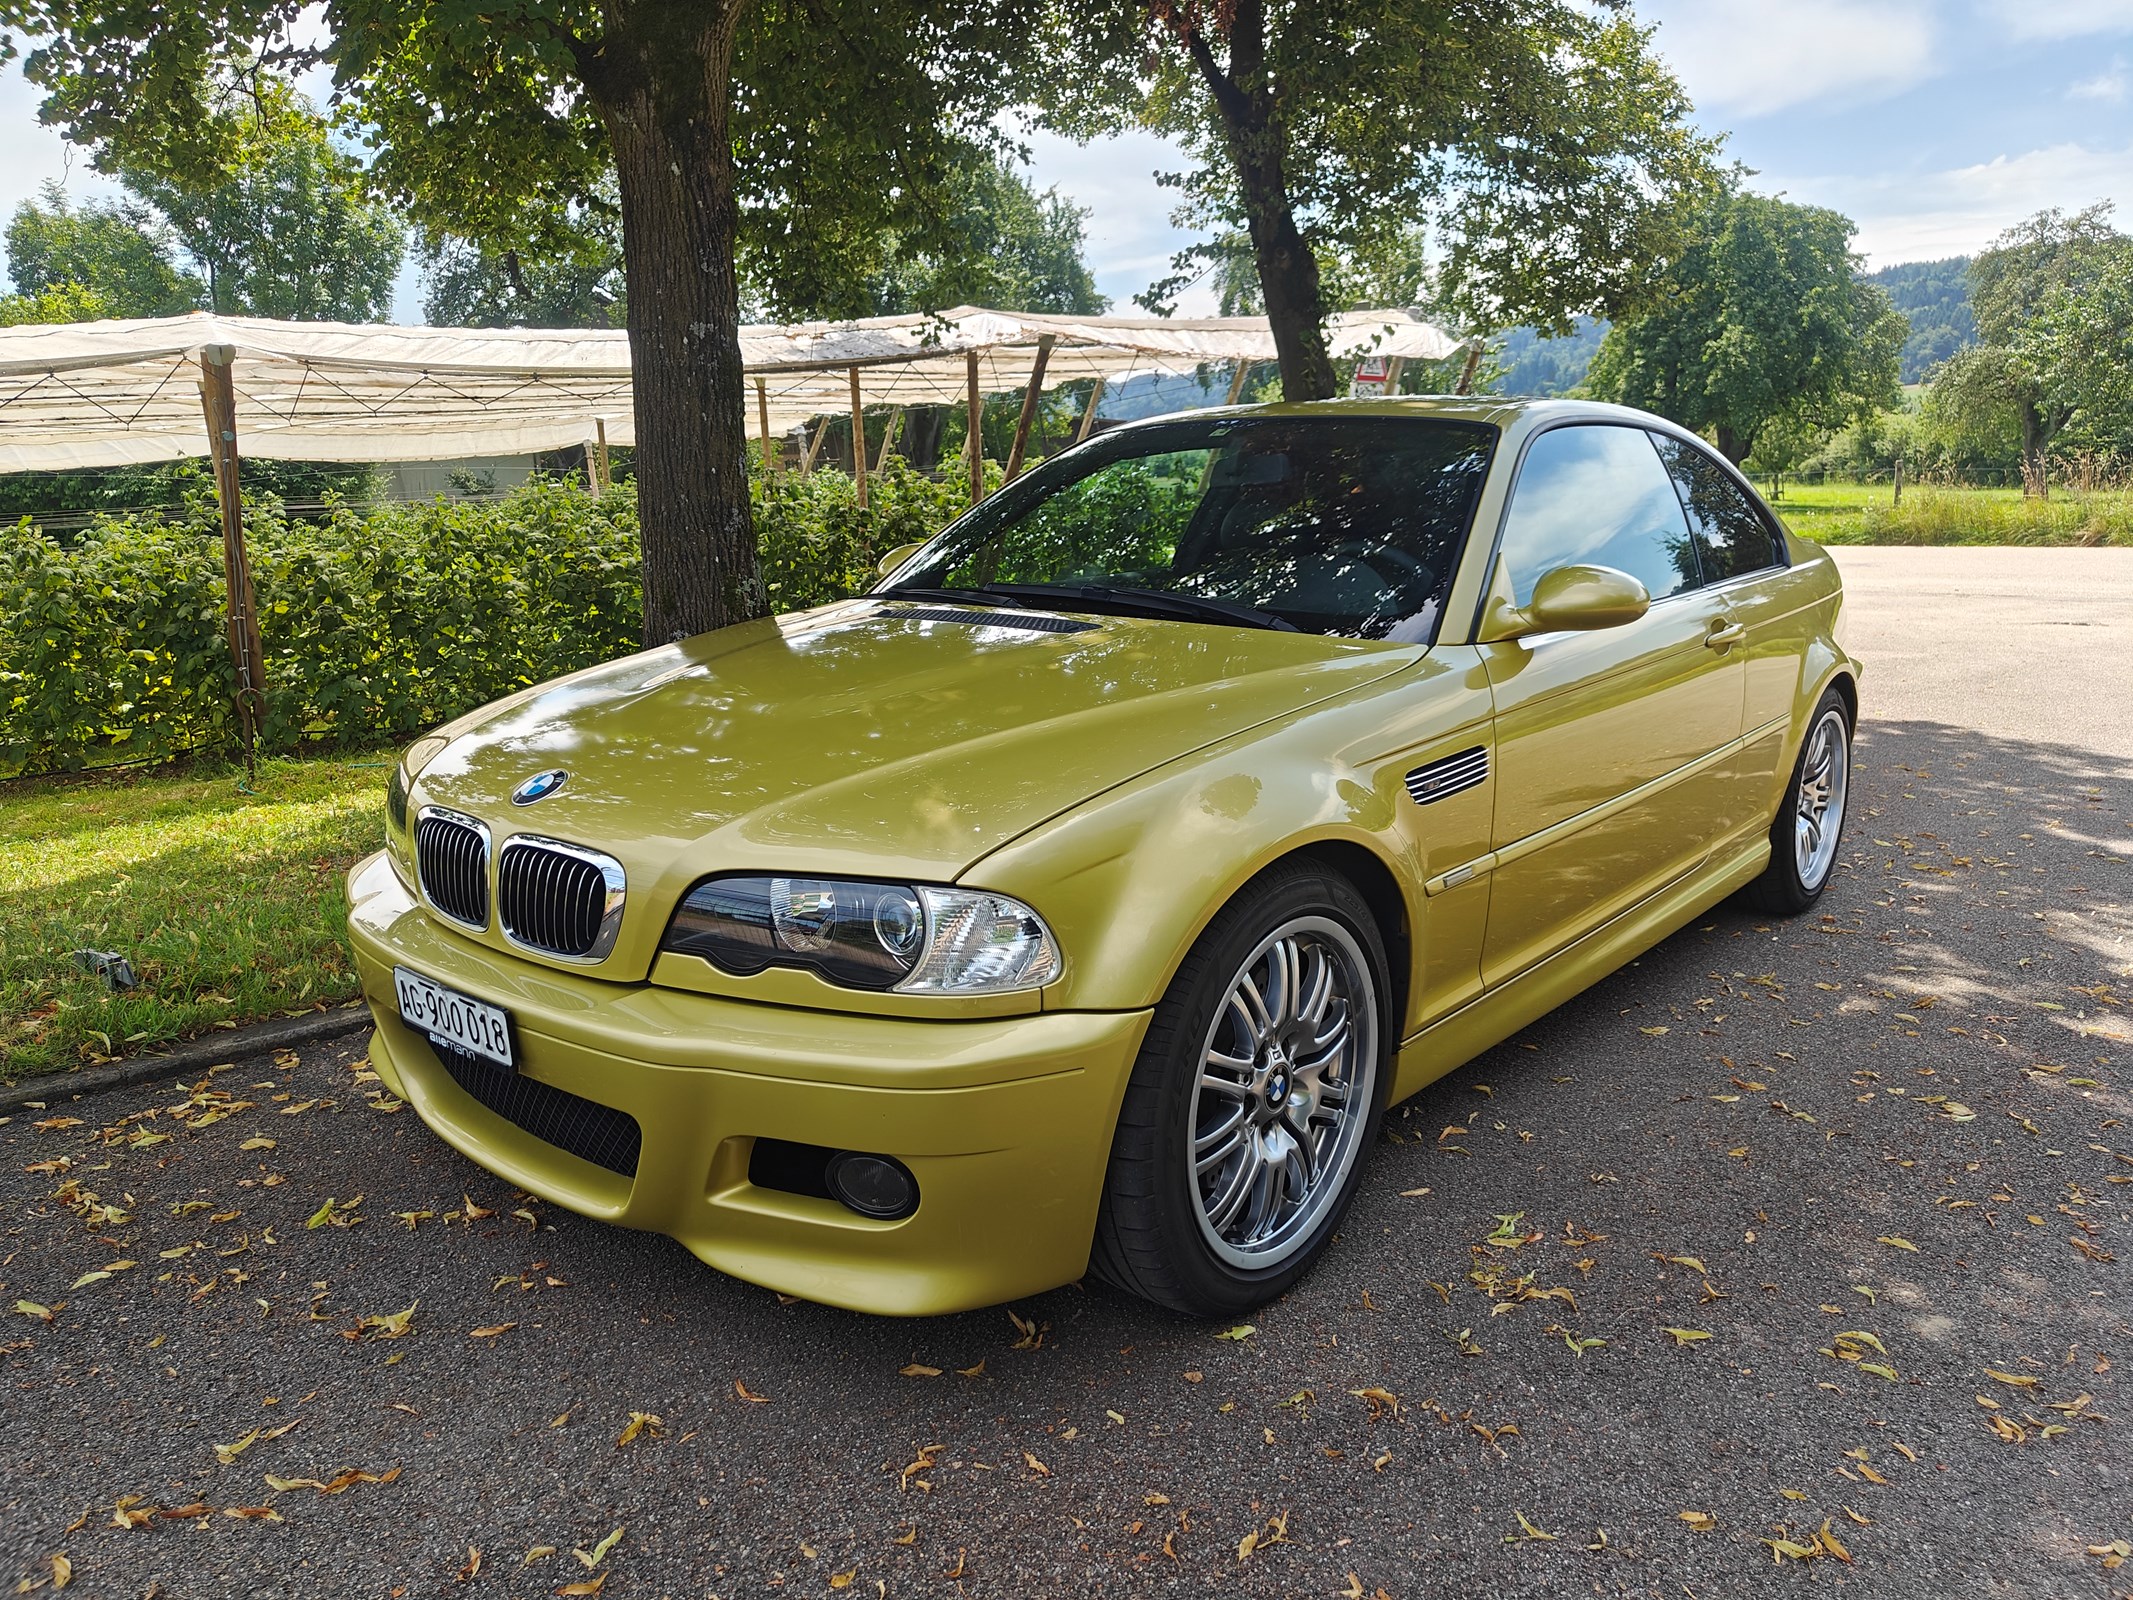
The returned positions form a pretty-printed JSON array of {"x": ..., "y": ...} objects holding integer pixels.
[{"x": 1372, "y": 380}]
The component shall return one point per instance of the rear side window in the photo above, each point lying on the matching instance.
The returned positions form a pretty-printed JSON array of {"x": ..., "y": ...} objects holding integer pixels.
[
  {"x": 1732, "y": 537},
  {"x": 1596, "y": 495}
]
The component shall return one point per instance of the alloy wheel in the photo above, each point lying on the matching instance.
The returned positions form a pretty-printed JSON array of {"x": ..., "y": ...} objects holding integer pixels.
[
  {"x": 1818, "y": 817},
  {"x": 1287, "y": 1083}
]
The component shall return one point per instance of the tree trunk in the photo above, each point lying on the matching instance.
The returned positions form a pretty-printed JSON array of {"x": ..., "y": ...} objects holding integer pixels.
[
  {"x": 2034, "y": 482},
  {"x": 1733, "y": 444},
  {"x": 1288, "y": 277},
  {"x": 661, "y": 77},
  {"x": 1252, "y": 129}
]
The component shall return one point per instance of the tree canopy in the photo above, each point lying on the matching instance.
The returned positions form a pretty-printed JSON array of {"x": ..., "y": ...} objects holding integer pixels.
[
  {"x": 1541, "y": 140},
  {"x": 571, "y": 278},
  {"x": 990, "y": 239},
  {"x": 1764, "y": 320},
  {"x": 2034, "y": 369},
  {"x": 117, "y": 258},
  {"x": 284, "y": 227}
]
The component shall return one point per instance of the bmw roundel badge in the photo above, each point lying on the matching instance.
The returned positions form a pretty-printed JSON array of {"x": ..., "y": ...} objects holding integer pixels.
[{"x": 539, "y": 787}]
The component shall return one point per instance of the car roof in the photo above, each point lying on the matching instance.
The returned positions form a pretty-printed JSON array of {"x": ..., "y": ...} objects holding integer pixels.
[{"x": 1499, "y": 411}]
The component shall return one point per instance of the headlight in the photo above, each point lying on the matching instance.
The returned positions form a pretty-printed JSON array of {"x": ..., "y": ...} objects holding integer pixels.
[{"x": 915, "y": 939}]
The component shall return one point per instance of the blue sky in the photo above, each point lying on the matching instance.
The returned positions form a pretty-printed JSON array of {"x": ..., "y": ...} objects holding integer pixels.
[{"x": 1934, "y": 124}]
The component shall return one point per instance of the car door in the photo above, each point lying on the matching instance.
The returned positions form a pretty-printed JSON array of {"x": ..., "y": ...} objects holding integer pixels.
[
  {"x": 1613, "y": 747},
  {"x": 1742, "y": 554}
]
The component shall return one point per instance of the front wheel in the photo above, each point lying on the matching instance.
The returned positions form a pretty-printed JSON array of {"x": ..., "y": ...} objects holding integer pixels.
[
  {"x": 1803, "y": 839},
  {"x": 1256, "y": 1094}
]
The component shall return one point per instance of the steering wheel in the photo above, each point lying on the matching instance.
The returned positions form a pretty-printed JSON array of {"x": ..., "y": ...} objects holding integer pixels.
[{"x": 1413, "y": 579}]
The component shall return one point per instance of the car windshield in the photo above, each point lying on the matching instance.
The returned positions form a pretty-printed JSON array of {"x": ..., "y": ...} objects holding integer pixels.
[{"x": 1333, "y": 524}]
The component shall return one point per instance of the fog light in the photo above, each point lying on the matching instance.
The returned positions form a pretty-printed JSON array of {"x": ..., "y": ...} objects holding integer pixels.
[{"x": 873, "y": 1186}]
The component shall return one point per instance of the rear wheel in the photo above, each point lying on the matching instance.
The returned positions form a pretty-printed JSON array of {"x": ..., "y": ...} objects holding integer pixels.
[
  {"x": 1255, "y": 1096},
  {"x": 1803, "y": 839}
]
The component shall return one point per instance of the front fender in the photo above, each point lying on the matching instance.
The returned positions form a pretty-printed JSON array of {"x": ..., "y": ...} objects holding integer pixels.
[{"x": 1130, "y": 879}]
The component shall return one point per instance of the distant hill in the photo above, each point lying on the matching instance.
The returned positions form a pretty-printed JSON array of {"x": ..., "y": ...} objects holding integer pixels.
[
  {"x": 1536, "y": 366},
  {"x": 1935, "y": 295}
]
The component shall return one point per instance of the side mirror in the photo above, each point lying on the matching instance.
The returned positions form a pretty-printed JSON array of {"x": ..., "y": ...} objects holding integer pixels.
[
  {"x": 897, "y": 557},
  {"x": 1569, "y": 599}
]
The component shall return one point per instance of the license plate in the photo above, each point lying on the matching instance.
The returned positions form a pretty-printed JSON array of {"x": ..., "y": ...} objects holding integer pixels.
[{"x": 454, "y": 1019}]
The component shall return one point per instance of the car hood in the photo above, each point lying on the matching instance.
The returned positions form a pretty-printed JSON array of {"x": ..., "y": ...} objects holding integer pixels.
[{"x": 871, "y": 738}]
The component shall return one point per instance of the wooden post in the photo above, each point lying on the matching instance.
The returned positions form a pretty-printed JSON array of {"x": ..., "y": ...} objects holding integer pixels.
[
  {"x": 762, "y": 413},
  {"x": 596, "y": 466},
  {"x": 1395, "y": 369},
  {"x": 1236, "y": 382},
  {"x": 888, "y": 437},
  {"x": 1031, "y": 397},
  {"x": 1088, "y": 416},
  {"x": 814, "y": 447},
  {"x": 976, "y": 403},
  {"x": 859, "y": 442},
  {"x": 218, "y": 403},
  {"x": 1899, "y": 480},
  {"x": 1473, "y": 364}
]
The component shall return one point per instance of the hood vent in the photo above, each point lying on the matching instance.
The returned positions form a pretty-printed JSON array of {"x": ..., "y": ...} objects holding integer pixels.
[
  {"x": 1441, "y": 779},
  {"x": 1029, "y": 621}
]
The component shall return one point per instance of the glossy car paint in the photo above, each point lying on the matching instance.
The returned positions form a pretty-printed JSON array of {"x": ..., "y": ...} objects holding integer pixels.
[{"x": 1126, "y": 781}]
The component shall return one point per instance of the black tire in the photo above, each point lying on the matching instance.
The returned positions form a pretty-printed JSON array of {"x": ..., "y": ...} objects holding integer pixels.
[
  {"x": 1787, "y": 887},
  {"x": 1154, "y": 1234}
]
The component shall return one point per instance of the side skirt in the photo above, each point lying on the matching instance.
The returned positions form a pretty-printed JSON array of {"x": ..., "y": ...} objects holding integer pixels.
[{"x": 1455, "y": 1040}]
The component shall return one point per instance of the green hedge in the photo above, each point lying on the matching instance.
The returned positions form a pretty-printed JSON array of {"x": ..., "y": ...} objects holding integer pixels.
[{"x": 375, "y": 624}]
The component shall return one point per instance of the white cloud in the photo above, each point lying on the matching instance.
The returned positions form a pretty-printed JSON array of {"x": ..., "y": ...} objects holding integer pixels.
[
  {"x": 1924, "y": 216},
  {"x": 1750, "y": 57},
  {"x": 2109, "y": 85},
  {"x": 2059, "y": 19}
]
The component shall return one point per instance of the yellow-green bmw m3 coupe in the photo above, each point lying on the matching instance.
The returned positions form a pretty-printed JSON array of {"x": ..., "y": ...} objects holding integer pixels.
[{"x": 1080, "y": 898}]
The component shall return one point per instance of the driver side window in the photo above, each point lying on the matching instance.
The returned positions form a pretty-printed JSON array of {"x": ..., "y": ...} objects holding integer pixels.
[{"x": 1597, "y": 494}]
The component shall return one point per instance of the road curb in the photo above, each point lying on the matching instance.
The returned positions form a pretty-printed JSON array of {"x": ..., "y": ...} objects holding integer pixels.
[{"x": 283, "y": 1033}]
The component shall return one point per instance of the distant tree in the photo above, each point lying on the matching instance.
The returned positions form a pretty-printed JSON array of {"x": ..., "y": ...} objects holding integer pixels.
[
  {"x": 573, "y": 279},
  {"x": 283, "y": 227},
  {"x": 117, "y": 256},
  {"x": 1535, "y": 364},
  {"x": 1541, "y": 140},
  {"x": 989, "y": 239},
  {"x": 2008, "y": 379},
  {"x": 2080, "y": 345},
  {"x": 63, "y": 302},
  {"x": 1765, "y": 318},
  {"x": 1934, "y": 297}
]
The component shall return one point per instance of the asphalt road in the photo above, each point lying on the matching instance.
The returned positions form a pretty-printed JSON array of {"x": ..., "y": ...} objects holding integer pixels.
[{"x": 1895, "y": 1131}]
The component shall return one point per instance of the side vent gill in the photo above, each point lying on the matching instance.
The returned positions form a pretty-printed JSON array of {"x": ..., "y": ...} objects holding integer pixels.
[
  {"x": 1427, "y": 785},
  {"x": 1029, "y": 621}
]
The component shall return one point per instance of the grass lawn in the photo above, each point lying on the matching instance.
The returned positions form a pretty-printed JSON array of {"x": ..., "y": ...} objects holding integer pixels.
[
  {"x": 228, "y": 904},
  {"x": 1867, "y": 513}
]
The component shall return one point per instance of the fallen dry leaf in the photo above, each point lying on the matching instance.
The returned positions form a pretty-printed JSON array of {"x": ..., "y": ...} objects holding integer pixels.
[{"x": 918, "y": 1370}]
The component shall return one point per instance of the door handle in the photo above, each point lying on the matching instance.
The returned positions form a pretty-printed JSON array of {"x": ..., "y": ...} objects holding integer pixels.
[{"x": 1723, "y": 635}]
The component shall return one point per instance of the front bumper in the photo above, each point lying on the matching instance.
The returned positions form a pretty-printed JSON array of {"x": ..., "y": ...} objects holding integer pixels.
[{"x": 1006, "y": 1123}]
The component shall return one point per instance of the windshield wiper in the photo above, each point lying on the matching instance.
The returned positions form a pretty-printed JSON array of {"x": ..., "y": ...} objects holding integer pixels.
[{"x": 1163, "y": 602}]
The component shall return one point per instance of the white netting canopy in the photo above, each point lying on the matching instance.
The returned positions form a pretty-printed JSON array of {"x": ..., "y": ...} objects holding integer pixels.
[{"x": 102, "y": 394}]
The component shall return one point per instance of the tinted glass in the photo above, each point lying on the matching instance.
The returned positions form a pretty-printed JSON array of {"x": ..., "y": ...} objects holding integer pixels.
[
  {"x": 1731, "y": 536},
  {"x": 1597, "y": 496},
  {"x": 1345, "y": 525}
]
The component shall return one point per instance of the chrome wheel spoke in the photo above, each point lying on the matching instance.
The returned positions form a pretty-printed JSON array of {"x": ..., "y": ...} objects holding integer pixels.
[{"x": 1227, "y": 1088}]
